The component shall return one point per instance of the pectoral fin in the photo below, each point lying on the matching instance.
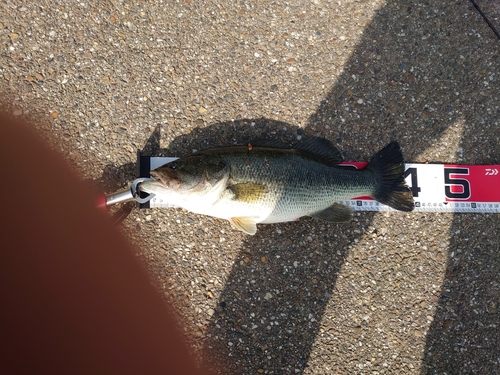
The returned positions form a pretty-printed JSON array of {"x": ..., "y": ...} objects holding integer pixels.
[
  {"x": 248, "y": 191},
  {"x": 245, "y": 224},
  {"x": 335, "y": 213}
]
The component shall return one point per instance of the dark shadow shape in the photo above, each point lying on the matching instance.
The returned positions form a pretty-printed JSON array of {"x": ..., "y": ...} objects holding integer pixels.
[
  {"x": 464, "y": 337},
  {"x": 408, "y": 80},
  {"x": 419, "y": 70},
  {"x": 287, "y": 291},
  {"x": 425, "y": 73}
]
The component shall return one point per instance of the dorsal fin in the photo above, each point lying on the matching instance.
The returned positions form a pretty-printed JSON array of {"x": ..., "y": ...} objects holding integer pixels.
[
  {"x": 320, "y": 150},
  {"x": 269, "y": 143}
]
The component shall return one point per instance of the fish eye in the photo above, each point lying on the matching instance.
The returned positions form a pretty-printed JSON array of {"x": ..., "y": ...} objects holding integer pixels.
[{"x": 173, "y": 165}]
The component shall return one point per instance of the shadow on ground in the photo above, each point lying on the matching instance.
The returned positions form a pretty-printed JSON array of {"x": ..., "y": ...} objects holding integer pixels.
[
  {"x": 418, "y": 70},
  {"x": 272, "y": 303}
]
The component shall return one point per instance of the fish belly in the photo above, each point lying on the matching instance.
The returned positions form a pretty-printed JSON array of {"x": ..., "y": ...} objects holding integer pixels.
[
  {"x": 227, "y": 209},
  {"x": 294, "y": 204}
]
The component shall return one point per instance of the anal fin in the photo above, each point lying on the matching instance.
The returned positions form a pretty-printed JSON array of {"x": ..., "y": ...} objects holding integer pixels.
[
  {"x": 245, "y": 224},
  {"x": 335, "y": 213}
]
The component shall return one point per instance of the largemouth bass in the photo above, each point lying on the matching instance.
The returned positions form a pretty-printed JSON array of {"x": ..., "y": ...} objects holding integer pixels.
[{"x": 257, "y": 183}]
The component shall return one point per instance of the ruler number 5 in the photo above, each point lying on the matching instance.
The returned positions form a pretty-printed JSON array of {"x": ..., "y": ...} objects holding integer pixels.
[{"x": 456, "y": 188}]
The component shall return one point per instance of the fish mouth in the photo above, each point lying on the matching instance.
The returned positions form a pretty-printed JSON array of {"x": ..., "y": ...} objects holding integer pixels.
[
  {"x": 155, "y": 175},
  {"x": 167, "y": 179}
]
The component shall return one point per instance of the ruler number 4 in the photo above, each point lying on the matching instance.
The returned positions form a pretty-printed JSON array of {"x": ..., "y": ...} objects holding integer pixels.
[{"x": 414, "y": 181}]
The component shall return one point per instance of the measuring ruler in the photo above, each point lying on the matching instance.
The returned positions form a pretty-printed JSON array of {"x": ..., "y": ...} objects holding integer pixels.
[
  {"x": 435, "y": 187},
  {"x": 444, "y": 188}
]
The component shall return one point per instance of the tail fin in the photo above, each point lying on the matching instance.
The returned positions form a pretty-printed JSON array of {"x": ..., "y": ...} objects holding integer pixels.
[{"x": 390, "y": 186}]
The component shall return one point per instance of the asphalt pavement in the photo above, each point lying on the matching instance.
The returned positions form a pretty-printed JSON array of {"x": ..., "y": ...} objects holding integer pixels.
[{"x": 388, "y": 293}]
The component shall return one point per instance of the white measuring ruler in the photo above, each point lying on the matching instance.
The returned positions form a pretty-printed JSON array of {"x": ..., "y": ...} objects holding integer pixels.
[{"x": 435, "y": 187}]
